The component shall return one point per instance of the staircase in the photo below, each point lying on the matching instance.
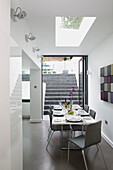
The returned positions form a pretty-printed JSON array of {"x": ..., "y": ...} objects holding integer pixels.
[
  {"x": 16, "y": 96},
  {"x": 58, "y": 87}
]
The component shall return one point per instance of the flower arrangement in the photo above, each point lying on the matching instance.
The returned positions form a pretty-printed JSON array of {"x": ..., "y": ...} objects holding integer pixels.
[{"x": 71, "y": 96}]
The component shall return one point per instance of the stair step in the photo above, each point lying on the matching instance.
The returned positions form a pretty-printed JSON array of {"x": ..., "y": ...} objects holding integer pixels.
[
  {"x": 61, "y": 80},
  {"x": 46, "y": 107},
  {"x": 60, "y": 97},
  {"x": 62, "y": 94},
  {"x": 60, "y": 90},
  {"x": 57, "y": 101},
  {"x": 54, "y": 75},
  {"x": 62, "y": 87}
]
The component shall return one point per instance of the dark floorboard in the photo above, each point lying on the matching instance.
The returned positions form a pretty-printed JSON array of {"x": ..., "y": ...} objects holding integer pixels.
[{"x": 36, "y": 157}]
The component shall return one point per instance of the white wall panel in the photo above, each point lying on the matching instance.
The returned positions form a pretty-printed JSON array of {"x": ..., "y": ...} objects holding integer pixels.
[
  {"x": 100, "y": 57},
  {"x": 5, "y": 146},
  {"x": 35, "y": 95},
  {"x": 26, "y": 90}
]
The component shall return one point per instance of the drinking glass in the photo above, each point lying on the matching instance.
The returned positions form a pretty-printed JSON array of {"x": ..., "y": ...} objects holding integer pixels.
[{"x": 60, "y": 103}]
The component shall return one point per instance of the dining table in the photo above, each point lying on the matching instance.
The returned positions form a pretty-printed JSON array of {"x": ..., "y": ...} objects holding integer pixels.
[{"x": 79, "y": 117}]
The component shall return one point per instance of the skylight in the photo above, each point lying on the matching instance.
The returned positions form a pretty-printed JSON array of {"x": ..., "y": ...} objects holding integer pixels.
[
  {"x": 70, "y": 31},
  {"x": 71, "y": 22}
]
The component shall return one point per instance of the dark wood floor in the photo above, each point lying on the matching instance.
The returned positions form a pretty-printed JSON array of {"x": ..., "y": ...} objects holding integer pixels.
[{"x": 36, "y": 157}]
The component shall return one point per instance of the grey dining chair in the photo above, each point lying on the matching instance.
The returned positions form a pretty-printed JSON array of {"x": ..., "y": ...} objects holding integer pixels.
[
  {"x": 86, "y": 108},
  {"x": 91, "y": 137},
  {"x": 92, "y": 113},
  {"x": 54, "y": 128}
]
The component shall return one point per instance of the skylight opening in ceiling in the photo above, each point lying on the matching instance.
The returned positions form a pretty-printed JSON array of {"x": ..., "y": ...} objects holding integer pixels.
[
  {"x": 71, "y": 22},
  {"x": 70, "y": 31}
]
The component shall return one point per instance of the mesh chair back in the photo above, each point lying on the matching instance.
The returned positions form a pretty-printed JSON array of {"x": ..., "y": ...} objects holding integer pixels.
[
  {"x": 86, "y": 107},
  {"x": 92, "y": 113},
  {"x": 93, "y": 134},
  {"x": 50, "y": 115},
  {"x": 53, "y": 127}
]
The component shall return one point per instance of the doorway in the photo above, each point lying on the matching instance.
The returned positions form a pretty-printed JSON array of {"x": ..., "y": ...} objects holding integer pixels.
[{"x": 59, "y": 75}]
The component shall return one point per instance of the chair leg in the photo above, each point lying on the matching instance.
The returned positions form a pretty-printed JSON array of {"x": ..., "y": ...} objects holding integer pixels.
[
  {"x": 49, "y": 134},
  {"x": 68, "y": 152},
  {"x": 49, "y": 129},
  {"x": 97, "y": 147},
  {"x": 84, "y": 160},
  {"x": 71, "y": 131},
  {"x": 74, "y": 133},
  {"x": 49, "y": 140},
  {"x": 103, "y": 156}
]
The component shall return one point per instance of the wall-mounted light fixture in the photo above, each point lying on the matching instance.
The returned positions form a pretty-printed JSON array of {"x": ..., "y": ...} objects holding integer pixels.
[
  {"x": 29, "y": 37},
  {"x": 35, "y": 49},
  {"x": 17, "y": 14}
]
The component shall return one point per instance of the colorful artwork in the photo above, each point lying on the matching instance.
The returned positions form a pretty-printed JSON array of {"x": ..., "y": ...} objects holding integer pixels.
[{"x": 106, "y": 81}]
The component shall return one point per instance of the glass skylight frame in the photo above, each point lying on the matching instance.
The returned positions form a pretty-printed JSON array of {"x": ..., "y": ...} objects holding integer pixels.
[{"x": 72, "y": 37}]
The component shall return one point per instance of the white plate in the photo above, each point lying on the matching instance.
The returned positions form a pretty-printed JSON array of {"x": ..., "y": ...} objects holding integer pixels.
[
  {"x": 58, "y": 113},
  {"x": 57, "y": 107},
  {"x": 74, "y": 119},
  {"x": 87, "y": 118},
  {"x": 57, "y": 120}
]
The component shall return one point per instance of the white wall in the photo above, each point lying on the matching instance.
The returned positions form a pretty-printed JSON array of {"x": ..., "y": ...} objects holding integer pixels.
[
  {"x": 35, "y": 96},
  {"x": 5, "y": 147},
  {"x": 26, "y": 109},
  {"x": 25, "y": 89},
  {"x": 26, "y": 95},
  {"x": 15, "y": 70},
  {"x": 100, "y": 57}
]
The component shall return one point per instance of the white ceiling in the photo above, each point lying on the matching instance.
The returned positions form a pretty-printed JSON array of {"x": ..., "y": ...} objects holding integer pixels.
[{"x": 41, "y": 20}]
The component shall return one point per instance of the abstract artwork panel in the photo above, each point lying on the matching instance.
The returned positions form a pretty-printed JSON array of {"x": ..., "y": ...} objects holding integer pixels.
[
  {"x": 105, "y": 87},
  {"x": 109, "y": 70},
  {"x": 109, "y": 97},
  {"x": 105, "y": 79},
  {"x": 111, "y": 87},
  {"x": 102, "y": 72},
  {"x": 112, "y": 69},
  {"x": 102, "y": 95},
  {"x": 105, "y": 71},
  {"x": 102, "y": 87},
  {"x": 111, "y": 79},
  {"x": 106, "y": 96},
  {"x": 102, "y": 80},
  {"x": 106, "y": 83}
]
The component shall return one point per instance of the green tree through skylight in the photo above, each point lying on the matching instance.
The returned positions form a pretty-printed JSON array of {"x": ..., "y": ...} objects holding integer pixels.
[{"x": 71, "y": 22}]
